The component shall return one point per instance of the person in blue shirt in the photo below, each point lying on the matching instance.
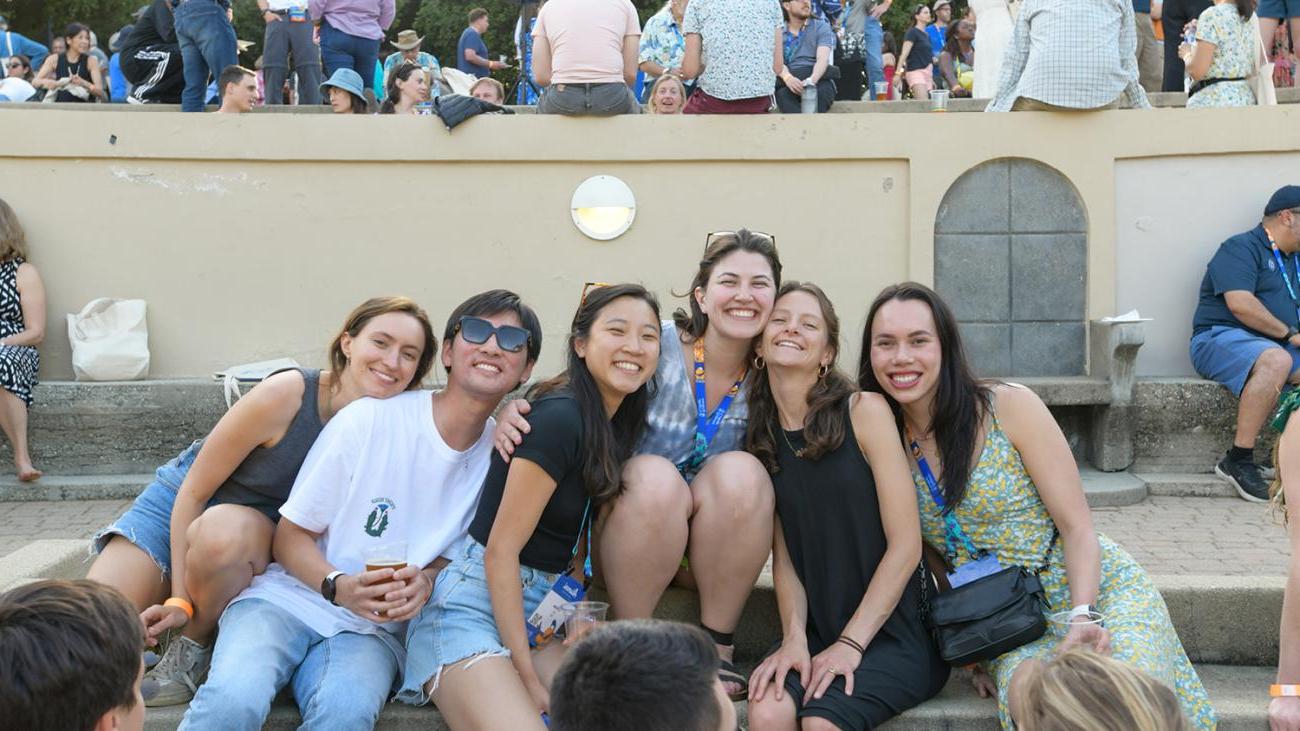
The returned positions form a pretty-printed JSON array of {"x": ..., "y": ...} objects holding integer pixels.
[
  {"x": 938, "y": 31},
  {"x": 471, "y": 51},
  {"x": 117, "y": 84},
  {"x": 13, "y": 44},
  {"x": 1246, "y": 329}
]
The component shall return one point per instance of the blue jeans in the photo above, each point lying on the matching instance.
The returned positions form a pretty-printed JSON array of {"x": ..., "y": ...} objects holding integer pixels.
[
  {"x": 875, "y": 38},
  {"x": 207, "y": 43},
  {"x": 339, "y": 50},
  {"x": 339, "y": 682}
]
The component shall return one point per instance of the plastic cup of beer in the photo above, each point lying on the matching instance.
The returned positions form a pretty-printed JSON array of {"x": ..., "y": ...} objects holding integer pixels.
[
  {"x": 585, "y": 617},
  {"x": 882, "y": 90},
  {"x": 938, "y": 100},
  {"x": 386, "y": 556},
  {"x": 1062, "y": 622}
]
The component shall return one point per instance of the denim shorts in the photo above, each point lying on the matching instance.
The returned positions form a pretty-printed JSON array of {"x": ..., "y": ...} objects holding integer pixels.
[
  {"x": 1278, "y": 9},
  {"x": 148, "y": 522},
  {"x": 457, "y": 622},
  {"x": 1226, "y": 354}
]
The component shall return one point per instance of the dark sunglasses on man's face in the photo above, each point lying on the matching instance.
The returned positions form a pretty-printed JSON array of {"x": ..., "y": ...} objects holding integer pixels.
[{"x": 476, "y": 330}]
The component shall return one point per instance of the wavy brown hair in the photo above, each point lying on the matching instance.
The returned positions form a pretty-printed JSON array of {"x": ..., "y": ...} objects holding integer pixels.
[
  {"x": 827, "y": 400},
  {"x": 369, "y": 310},
  {"x": 691, "y": 325},
  {"x": 13, "y": 239}
]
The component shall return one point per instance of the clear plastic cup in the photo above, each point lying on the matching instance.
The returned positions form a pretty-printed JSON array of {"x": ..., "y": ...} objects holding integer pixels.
[
  {"x": 882, "y": 90},
  {"x": 390, "y": 555},
  {"x": 1061, "y": 623},
  {"x": 938, "y": 100},
  {"x": 585, "y": 617}
]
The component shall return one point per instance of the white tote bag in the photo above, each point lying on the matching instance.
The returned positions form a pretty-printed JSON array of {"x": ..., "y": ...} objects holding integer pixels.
[
  {"x": 1261, "y": 76},
  {"x": 110, "y": 340}
]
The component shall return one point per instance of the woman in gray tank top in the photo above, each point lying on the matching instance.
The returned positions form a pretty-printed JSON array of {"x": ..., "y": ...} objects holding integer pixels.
[{"x": 197, "y": 535}]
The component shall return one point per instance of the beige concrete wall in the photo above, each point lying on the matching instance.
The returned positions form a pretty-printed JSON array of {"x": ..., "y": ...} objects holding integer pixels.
[{"x": 251, "y": 237}]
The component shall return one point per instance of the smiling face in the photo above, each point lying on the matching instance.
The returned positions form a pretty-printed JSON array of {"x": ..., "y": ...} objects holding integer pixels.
[
  {"x": 80, "y": 42},
  {"x": 485, "y": 369},
  {"x": 796, "y": 336},
  {"x": 738, "y": 296},
  {"x": 905, "y": 352},
  {"x": 668, "y": 97},
  {"x": 621, "y": 349},
  {"x": 383, "y": 356}
]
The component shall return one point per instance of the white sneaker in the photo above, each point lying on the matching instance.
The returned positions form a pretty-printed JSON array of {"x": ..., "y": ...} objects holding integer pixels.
[{"x": 180, "y": 672}]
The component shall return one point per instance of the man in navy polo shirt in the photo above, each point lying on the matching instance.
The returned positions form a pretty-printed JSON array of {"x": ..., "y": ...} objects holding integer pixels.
[{"x": 1245, "y": 330}]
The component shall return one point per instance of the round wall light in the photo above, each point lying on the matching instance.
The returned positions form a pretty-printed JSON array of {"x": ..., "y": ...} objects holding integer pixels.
[{"x": 603, "y": 207}]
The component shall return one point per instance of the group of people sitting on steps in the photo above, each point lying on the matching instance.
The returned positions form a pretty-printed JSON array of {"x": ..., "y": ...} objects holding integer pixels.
[{"x": 412, "y": 546}]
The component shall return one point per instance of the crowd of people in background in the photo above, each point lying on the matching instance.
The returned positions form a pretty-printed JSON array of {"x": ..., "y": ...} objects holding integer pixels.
[{"x": 576, "y": 57}]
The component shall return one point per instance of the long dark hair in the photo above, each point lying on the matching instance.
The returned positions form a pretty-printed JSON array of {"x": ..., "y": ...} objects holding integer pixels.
[
  {"x": 391, "y": 93},
  {"x": 692, "y": 324},
  {"x": 606, "y": 442},
  {"x": 1246, "y": 8},
  {"x": 824, "y": 425},
  {"x": 960, "y": 402}
]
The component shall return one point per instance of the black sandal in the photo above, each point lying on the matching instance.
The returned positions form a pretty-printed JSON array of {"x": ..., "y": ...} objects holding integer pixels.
[{"x": 727, "y": 673}]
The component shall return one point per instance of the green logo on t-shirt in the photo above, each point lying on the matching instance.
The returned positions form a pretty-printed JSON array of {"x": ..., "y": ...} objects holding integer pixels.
[{"x": 377, "y": 521}]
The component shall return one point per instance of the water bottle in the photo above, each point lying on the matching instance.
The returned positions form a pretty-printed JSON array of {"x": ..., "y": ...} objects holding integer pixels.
[{"x": 808, "y": 103}]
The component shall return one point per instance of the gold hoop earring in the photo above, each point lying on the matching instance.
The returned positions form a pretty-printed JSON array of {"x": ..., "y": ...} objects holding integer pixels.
[
  {"x": 759, "y": 363},
  {"x": 821, "y": 372}
]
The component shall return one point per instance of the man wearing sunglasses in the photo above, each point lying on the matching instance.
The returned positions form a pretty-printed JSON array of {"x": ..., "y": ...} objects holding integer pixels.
[{"x": 397, "y": 478}]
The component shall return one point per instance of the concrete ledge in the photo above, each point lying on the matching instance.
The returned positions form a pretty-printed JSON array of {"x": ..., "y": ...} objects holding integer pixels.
[
  {"x": 1179, "y": 484},
  {"x": 1184, "y": 425},
  {"x": 74, "y": 487},
  {"x": 46, "y": 559},
  {"x": 1112, "y": 489},
  {"x": 1068, "y": 390},
  {"x": 1239, "y": 694}
]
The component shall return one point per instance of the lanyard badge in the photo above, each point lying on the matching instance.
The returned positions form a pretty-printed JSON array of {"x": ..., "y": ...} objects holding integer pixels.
[
  {"x": 706, "y": 425},
  {"x": 1281, "y": 269},
  {"x": 982, "y": 562},
  {"x": 554, "y": 609}
]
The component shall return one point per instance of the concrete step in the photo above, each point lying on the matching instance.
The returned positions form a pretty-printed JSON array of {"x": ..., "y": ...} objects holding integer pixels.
[
  {"x": 73, "y": 487},
  {"x": 1112, "y": 489},
  {"x": 1239, "y": 695},
  {"x": 1183, "y": 484}
]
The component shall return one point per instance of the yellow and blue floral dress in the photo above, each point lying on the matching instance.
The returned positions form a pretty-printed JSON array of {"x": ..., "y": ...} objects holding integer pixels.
[{"x": 1002, "y": 513}]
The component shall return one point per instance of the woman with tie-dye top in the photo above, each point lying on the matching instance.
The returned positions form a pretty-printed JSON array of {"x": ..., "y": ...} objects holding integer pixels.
[{"x": 691, "y": 492}]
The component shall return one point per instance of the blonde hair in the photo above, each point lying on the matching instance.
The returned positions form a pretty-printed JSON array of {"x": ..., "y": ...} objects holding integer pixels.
[
  {"x": 13, "y": 240},
  {"x": 1081, "y": 690},
  {"x": 489, "y": 81},
  {"x": 1277, "y": 496},
  {"x": 666, "y": 79}
]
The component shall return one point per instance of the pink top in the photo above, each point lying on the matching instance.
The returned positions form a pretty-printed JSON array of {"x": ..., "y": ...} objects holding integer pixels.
[
  {"x": 586, "y": 38},
  {"x": 362, "y": 18}
]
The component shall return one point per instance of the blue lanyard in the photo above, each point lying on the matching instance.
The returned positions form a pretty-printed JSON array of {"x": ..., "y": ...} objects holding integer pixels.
[
  {"x": 952, "y": 529},
  {"x": 582, "y": 533},
  {"x": 1281, "y": 269},
  {"x": 706, "y": 426}
]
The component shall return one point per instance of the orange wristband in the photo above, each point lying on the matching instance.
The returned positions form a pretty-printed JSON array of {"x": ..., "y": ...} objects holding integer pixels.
[
  {"x": 184, "y": 606},
  {"x": 1279, "y": 691}
]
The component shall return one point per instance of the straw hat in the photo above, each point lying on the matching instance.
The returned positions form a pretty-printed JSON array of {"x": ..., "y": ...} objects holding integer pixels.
[{"x": 407, "y": 40}]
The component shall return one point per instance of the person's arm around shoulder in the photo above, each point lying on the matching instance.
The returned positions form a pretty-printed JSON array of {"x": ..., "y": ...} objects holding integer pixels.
[
  {"x": 1284, "y": 713},
  {"x": 31, "y": 296},
  {"x": 1043, "y": 449}
]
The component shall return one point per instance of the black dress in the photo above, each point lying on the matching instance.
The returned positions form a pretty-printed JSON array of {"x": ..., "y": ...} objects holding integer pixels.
[
  {"x": 18, "y": 363},
  {"x": 64, "y": 68},
  {"x": 830, "y": 517}
]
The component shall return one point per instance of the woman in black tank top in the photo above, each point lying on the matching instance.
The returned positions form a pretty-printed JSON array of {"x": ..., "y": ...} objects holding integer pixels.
[
  {"x": 847, "y": 544},
  {"x": 74, "y": 75},
  {"x": 203, "y": 528}
]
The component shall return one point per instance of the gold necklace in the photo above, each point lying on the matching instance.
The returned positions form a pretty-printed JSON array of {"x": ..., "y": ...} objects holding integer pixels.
[{"x": 798, "y": 453}]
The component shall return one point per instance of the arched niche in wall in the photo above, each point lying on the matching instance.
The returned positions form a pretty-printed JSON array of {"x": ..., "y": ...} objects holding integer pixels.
[{"x": 1010, "y": 257}]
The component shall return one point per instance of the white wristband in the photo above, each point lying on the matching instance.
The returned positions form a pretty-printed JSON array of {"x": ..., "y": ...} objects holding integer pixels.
[{"x": 1081, "y": 610}]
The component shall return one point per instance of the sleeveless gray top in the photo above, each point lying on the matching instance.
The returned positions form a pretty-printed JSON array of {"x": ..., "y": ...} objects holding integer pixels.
[{"x": 263, "y": 480}]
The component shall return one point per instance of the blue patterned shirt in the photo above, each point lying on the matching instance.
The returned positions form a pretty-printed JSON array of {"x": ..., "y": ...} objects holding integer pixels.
[
  {"x": 670, "y": 417},
  {"x": 738, "y": 38},
  {"x": 662, "y": 41}
]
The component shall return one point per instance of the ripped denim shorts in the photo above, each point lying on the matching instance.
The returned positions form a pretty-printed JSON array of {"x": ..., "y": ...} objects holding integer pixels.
[{"x": 148, "y": 522}]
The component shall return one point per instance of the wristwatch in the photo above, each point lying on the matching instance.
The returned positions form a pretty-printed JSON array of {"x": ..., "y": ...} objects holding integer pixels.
[
  {"x": 329, "y": 586},
  {"x": 1290, "y": 333}
]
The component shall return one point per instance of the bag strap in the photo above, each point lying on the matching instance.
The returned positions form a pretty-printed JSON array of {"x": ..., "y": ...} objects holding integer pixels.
[{"x": 1056, "y": 533}]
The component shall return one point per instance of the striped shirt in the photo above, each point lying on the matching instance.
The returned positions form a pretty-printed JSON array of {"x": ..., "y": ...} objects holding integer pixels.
[
  {"x": 670, "y": 418},
  {"x": 1079, "y": 54}
]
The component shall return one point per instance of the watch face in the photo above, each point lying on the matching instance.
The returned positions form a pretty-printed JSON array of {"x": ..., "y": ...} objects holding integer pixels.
[{"x": 328, "y": 588}]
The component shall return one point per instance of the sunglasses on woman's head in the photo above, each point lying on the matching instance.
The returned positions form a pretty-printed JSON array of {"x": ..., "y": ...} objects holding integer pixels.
[
  {"x": 587, "y": 288},
  {"x": 476, "y": 330},
  {"x": 715, "y": 235}
]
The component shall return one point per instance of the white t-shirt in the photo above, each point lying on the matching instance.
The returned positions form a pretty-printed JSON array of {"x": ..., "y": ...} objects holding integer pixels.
[{"x": 378, "y": 473}]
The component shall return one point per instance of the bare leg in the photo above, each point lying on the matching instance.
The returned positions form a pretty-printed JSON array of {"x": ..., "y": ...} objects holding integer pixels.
[
  {"x": 770, "y": 714},
  {"x": 643, "y": 536},
  {"x": 1267, "y": 29},
  {"x": 13, "y": 420},
  {"x": 127, "y": 568},
  {"x": 1259, "y": 397},
  {"x": 486, "y": 696},
  {"x": 731, "y": 536},
  {"x": 228, "y": 546}
]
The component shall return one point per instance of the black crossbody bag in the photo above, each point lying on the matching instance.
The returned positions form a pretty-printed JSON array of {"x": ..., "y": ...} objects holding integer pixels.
[{"x": 988, "y": 616}]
